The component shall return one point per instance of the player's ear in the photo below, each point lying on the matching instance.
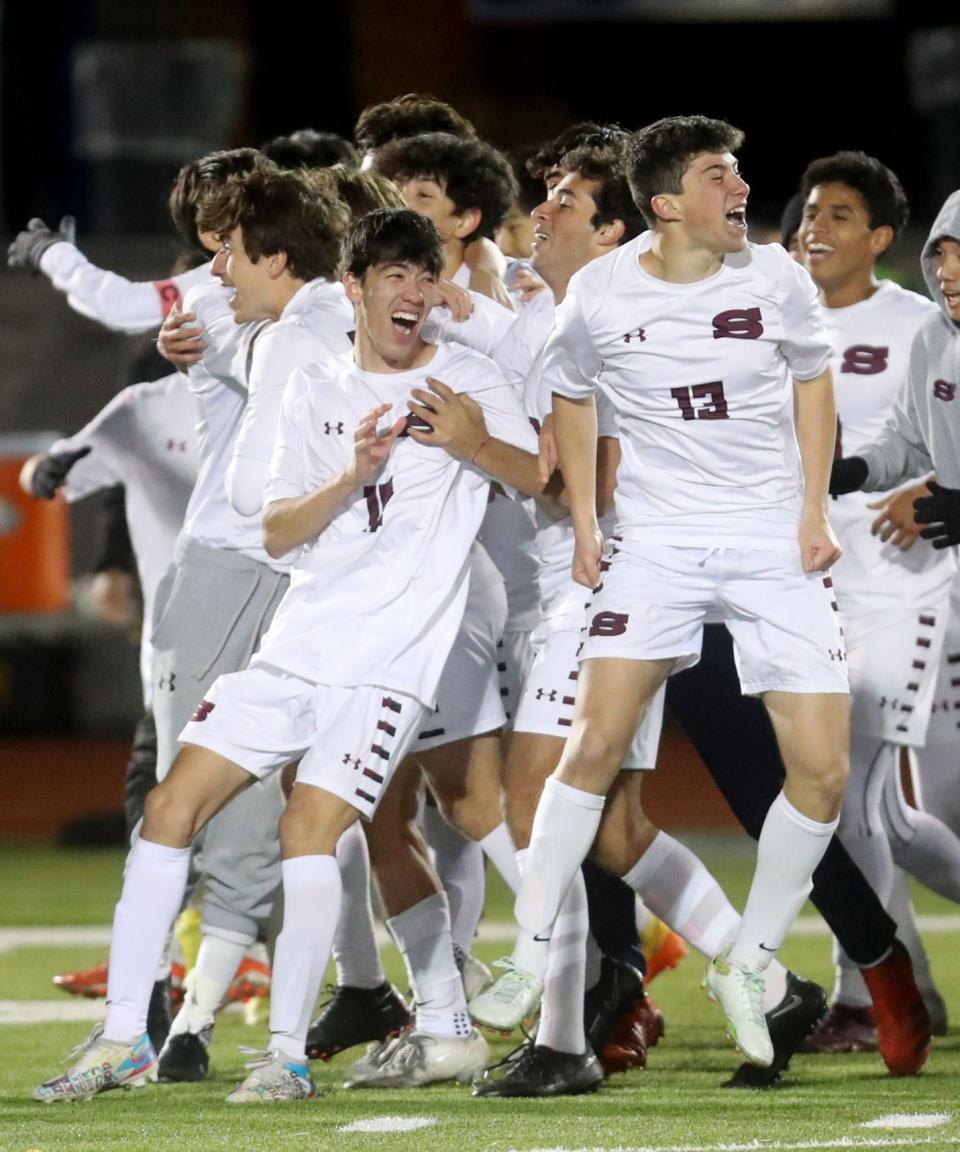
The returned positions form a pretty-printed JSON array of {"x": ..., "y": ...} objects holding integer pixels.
[
  {"x": 277, "y": 264},
  {"x": 880, "y": 239},
  {"x": 611, "y": 234},
  {"x": 469, "y": 222},
  {"x": 351, "y": 285},
  {"x": 665, "y": 207}
]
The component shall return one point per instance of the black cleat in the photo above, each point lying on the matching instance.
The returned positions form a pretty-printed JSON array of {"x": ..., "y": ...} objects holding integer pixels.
[
  {"x": 790, "y": 1023},
  {"x": 534, "y": 1070},
  {"x": 159, "y": 1014},
  {"x": 356, "y": 1016},
  {"x": 620, "y": 1020},
  {"x": 184, "y": 1059}
]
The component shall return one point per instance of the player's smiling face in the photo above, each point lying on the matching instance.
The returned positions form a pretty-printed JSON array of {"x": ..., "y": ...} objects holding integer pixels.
[
  {"x": 563, "y": 232},
  {"x": 391, "y": 309},
  {"x": 946, "y": 263},
  {"x": 427, "y": 195},
  {"x": 250, "y": 280},
  {"x": 714, "y": 202},
  {"x": 839, "y": 245}
]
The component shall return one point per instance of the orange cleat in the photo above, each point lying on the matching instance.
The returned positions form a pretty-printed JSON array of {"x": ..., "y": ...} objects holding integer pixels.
[
  {"x": 91, "y": 982},
  {"x": 252, "y": 980},
  {"x": 662, "y": 947},
  {"x": 903, "y": 1023}
]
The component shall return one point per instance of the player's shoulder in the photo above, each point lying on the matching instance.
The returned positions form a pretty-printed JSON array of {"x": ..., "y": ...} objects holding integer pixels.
[
  {"x": 771, "y": 261},
  {"x": 606, "y": 272},
  {"x": 463, "y": 368},
  {"x": 905, "y": 303}
]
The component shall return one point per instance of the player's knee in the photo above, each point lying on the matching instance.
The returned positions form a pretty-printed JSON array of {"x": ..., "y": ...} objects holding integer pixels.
[
  {"x": 593, "y": 755},
  {"x": 168, "y": 818}
]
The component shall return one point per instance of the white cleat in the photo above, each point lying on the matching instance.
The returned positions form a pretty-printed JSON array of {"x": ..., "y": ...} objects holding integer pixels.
[
  {"x": 371, "y": 1061},
  {"x": 476, "y": 976},
  {"x": 99, "y": 1065},
  {"x": 418, "y": 1058},
  {"x": 510, "y": 1000},
  {"x": 273, "y": 1078},
  {"x": 739, "y": 992}
]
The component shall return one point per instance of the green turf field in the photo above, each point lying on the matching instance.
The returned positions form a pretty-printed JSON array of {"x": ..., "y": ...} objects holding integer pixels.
[{"x": 677, "y": 1103}]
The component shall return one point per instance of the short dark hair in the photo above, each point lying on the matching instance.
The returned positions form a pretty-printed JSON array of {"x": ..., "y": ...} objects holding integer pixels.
[
  {"x": 392, "y": 236},
  {"x": 614, "y": 201},
  {"x": 550, "y": 155},
  {"x": 362, "y": 192},
  {"x": 473, "y": 174},
  {"x": 199, "y": 177},
  {"x": 296, "y": 212},
  {"x": 882, "y": 192},
  {"x": 657, "y": 156},
  {"x": 409, "y": 115},
  {"x": 308, "y": 148}
]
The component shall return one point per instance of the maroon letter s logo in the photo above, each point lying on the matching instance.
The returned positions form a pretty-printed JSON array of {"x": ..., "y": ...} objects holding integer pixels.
[{"x": 738, "y": 324}]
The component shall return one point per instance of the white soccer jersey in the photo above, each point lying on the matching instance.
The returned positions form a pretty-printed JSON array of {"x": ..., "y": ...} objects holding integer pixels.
[
  {"x": 210, "y": 518},
  {"x": 112, "y": 300},
  {"x": 700, "y": 377},
  {"x": 144, "y": 439},
  {"x": 378, "y": 597},
  {"x": 871, "y": 342},
  {"x": 312, "y": 328},
  {"x": 483, "y": 330}
]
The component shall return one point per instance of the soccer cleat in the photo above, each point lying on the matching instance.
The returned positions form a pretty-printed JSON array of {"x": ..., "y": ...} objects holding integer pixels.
[
  {"x": 739, "y": 992},
  {"x": 620, "y": 1020},
  {"x": 511, "y": 999},
  {"x": 903, "y": 1024},
  {"x": 185, "y": 1057},
  {"x": 252, "y": 978},
  {"x": 356, "y": 1016},
  {"x": 100, "y": 1065},
  {"x": 374, "y": 1057},
  {"x": 273, "y": 1078},
  {"x": 178, "y": 978},
  {"x": 89, "y": 982},
  {"x": 845, "y": 1028},
  {"x": 789, "y": 1024},
  {"x": 535, "y": 1070},
  {"x": 662, "y": 947},
  {"x": 417, "y": 1058},
  {"x": 476, "y": 976}
]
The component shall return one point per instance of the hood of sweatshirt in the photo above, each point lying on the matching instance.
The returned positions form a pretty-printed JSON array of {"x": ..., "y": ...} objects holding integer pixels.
[{"x": 947, "y": 223}]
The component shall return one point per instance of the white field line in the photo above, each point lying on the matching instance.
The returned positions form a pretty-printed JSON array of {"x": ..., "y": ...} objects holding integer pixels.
[
  {"x": 51, "y": 1011},
  {"x": 855, "y": 1142},
  {"x": 492, "y": 931}
]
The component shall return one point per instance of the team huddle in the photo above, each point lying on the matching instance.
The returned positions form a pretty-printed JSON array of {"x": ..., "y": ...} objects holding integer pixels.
[{"x": 431, "y": 531}]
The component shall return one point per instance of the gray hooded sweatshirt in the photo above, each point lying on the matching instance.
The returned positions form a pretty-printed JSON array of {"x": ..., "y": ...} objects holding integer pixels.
[{"x": 922, "y": 434}]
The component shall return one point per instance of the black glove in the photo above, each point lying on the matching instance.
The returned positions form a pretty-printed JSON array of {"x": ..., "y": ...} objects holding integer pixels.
[
  {"x": 847, "y": 475},
  {"x": 30, "y": 244},
  {"x": 941, "y": 511},
  {"x": 51, "y": 472}
]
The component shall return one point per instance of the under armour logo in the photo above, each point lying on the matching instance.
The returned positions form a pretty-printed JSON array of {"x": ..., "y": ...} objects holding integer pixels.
[
  {"x": 635, "y": 334},
  {"x": 885, "y": 702},
  {"x": 176, "y": 445},
  {"x": 837, "y": 654},
  {"x": 354, "y": 760},
  {"x": 550, "y": 695},
  {"x": 329, "y": 428},
  {"x": 168, "y": 682}
]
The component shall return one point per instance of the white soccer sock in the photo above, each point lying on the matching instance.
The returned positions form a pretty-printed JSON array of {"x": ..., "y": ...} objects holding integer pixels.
[
  {"x": 355, "y": 950},
  {"x": 594, "y": 960},
  {"x": 499, "y": 847},
  {"x": 641, "y": 914},
  {"x": 460, "y": 865},
  {"x": 561, "y": 1010},
  {"x": 529, "y": 954},
  {"x": 849, "y": 987},
  {"x": 422, "y": 934},
  {"x": 564, "y": 828},
  {"x": 207, "y": 983},
  {"x": 311, "y": 908},
  {"x": 920, "y": 843},
  {"x": 677, "y": 887},
  {"x": 791, "y": 845},
  {"x": 153, "y": 887}
]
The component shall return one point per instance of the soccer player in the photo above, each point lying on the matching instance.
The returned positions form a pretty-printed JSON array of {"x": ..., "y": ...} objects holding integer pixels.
[
  {"x": 383, "y": 527},
  {"x": 893, "y": 604},
  {"x": 698, "y": 334}
]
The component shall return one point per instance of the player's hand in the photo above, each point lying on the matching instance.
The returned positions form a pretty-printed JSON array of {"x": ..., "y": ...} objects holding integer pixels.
[
  {"x": 896, "y": 523},
  {"x": 446, "y": 294},
  {"x": 941, "y": 511},
  {"x": 819, "y": 547},
  {"x": 547, "y": 457},
  {"x": 526, "y": 286},
  {"x": 29, "y": 245},
  {"x": 587, "y": 554},
  {"x": 455, "y": 418},
  {"x": 370, "y": 450},
  {"x": 180, "y": 339},
  {"x": 50, "y": 472}
]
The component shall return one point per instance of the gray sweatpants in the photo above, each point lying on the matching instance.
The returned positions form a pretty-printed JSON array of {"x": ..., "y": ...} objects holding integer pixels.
[{"x": 212, "y": 608}]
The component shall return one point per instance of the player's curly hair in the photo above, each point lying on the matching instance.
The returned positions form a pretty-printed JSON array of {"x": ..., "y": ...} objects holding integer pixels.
[
  {"x": 296, "y": 212},
  {"x": 471, "y": 173},
  {"x": 605, "y": 164},
  {"x": 308, "y": 148},
  {"x": 202, "y": 176},
  {"x": 392, "y": 236},
  {"x": 657, "y": 156},
  {"x": 409, "y": 115},
  {"x": 882, "y": 193},
  {"x": 587, "y": 133}
]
